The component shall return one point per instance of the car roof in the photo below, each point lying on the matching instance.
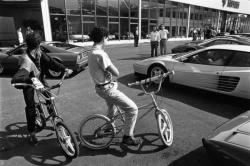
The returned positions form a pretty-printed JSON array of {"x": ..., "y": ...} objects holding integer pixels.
[{"x": 234, "y": 47}]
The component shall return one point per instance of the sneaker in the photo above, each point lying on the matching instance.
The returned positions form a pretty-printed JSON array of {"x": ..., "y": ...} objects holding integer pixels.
[
  {"x": 33, "y": 140},
  {"x": 128, "y": 140}
]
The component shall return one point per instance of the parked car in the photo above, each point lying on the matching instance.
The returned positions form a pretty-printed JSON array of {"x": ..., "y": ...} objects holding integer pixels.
[
  {"x": 73, "y": 57},
  {"x": 244, "y": 34},
  {"x": 79, "y": 37},
  {"x": 195, "y": 45},
  {"x": 222, "y": 68},
  {"x": 229, "y": 144}
]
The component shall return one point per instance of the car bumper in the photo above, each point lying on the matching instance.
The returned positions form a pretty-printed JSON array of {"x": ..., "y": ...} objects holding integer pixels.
[{"x": 81, "y": 65}]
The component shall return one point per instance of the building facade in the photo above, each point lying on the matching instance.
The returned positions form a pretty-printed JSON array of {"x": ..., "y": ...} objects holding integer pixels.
[{"x": 72, "y": 20}]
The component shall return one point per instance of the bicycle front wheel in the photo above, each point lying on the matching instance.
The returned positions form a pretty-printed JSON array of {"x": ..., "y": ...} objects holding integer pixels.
[
  {"x": 96, "y": 131},
  {"x": 67, "y": 140},
  {"x": 165, "y": 127}
]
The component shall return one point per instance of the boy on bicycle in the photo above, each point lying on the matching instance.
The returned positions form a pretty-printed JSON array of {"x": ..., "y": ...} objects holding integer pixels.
[
  {"x": 101, "y": 70},
  {"x": 34, "y": 63}
]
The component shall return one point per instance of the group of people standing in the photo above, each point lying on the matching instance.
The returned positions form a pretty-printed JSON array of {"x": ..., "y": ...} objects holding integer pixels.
[{"x": 159, "y": 37}]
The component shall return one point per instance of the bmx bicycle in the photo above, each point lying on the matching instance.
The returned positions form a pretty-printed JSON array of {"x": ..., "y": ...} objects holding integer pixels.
[
  {"x": 46, "y": 100},
  {"x": 97, "y": 131}
]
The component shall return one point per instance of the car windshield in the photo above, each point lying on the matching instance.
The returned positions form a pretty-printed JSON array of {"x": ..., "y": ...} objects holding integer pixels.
[{"x": 178, "y": 55}]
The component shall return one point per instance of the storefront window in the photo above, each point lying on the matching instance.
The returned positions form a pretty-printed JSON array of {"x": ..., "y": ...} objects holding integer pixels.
[
  {"x": 113, "y": 7},
  {"x": 101, "y": 7},
  {"x": 134, "y": 8},
  {"x": 124, "y": 8},
  {"x": 74, "y": 20},
  {"x": 58, "y": 20}
]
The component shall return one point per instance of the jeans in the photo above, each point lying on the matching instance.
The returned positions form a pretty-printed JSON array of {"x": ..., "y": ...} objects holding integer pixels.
[
  {"x": 154, "y": 48},
  {"x": 163, "y": 46},
  {"x": 113, "y": 98},
  {"x": 30, "y": 109}
]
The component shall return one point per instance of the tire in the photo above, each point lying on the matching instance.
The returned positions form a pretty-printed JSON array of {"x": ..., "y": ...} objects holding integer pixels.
[
  {"x": 165, "y": 127},
  {"x": 156, "y": 70},
  {"x": 55, "y": 74},
  {"x": 92, "y": 134},
  {"x": 69, "y": 146},
  {"x": 40, "y": 118}
]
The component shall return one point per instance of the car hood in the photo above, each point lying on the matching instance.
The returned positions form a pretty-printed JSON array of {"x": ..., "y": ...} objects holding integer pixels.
[
  {"x": 168, "y": 57},
  {"x": 235, "y": 131}
]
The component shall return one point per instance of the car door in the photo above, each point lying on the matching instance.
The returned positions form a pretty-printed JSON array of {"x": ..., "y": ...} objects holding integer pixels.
[
  {"x": 236, "y": 74},
  {"x": 201, "y": 70}
]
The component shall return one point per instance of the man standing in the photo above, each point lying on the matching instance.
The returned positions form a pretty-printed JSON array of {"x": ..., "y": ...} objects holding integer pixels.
[
  {"x": 163, "y": 39},
  {"x": 136, "y": 36},
  {"x": 154, "y": 40}
]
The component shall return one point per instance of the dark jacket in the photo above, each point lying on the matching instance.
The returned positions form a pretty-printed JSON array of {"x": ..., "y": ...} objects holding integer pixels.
[{"x": 43, "y": 64}]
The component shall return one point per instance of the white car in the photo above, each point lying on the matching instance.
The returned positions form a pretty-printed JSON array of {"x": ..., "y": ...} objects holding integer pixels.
[{"x": 222, "y": 68}]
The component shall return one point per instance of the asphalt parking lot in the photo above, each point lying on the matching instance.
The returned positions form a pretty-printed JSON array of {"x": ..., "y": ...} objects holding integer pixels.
[{"x": 194, "y": 113}]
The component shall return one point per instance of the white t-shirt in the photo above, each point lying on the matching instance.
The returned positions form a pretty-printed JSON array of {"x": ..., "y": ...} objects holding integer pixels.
[
  {"x": 98, "y": 62},
  {"x": 164, "y": 34}
]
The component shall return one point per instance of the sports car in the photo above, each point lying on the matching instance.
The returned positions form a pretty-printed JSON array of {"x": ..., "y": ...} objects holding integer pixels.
[
  {"x": 195, "y": 45},
  {"x": 229, "y": 144},
  {"x": 222, "y": 68},
  {"x": 73, "y": 57}
]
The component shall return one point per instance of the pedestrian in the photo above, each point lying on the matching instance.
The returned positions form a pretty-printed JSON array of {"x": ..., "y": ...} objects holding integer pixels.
[
  {"x": 154, "y": 41},
  {"x": 102, "y": 70},
  {"x": 34, "y": 63},
  {"x": 163, "y": 39},
  {"x": 199, "y": 33},
  {"x": 20, "y": 35},
  {"x": 136, "y": 36},
  {"x": 194, "y": 34}
]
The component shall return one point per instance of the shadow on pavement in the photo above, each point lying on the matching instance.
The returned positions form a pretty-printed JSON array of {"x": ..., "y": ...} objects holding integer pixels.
[
  {"x": 13, "y": 143},
  {"x": 197, "y": 157},
  {"x": 222, "y": 105},
  {"x": 151, "y": 144}
]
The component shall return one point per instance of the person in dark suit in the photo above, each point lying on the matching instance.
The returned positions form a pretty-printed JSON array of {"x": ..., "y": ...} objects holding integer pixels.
[{"x": 136, "y": 36}]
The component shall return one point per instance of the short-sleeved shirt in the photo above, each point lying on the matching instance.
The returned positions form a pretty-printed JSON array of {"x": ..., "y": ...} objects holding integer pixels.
[
  {"x": 98, "y": 62},
  {"x": 164, "y": 34}
]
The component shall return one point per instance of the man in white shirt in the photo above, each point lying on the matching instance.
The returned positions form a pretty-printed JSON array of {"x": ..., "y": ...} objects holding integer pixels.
[
  {"x": 154, "y": 41},
  {"x": 101, "y": 70},
  {"x": 163, "y": 39}
]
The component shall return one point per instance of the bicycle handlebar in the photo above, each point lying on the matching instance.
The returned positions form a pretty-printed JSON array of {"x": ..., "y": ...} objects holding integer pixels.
[
  {"x": 49, "y": 88},
  {"x": 161, "y": 76}
]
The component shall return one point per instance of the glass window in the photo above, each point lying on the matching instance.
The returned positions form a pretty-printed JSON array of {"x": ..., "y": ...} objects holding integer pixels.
[
  {"x": 56, "y": 7},
  {"x": 161, "y": 12},
  {"x": 240, "y": 59},
  {"x": 145, "y": 9},
  {"x": 58, "y": 27},
  {"x": 113, "y": 7},
  {"x": 211, "y": 57},
  {"x": 124, "y": 8},
  {"x": 113, "y": 30},
  {"x": 101, "y": 7},
  {"x": 217, "y": 42},
  {"x": 88, "y": 7},
  {"x": 124, "y": 25},
  {"x": 134, "y": 8},
  {"x": 102, "y": 21}
]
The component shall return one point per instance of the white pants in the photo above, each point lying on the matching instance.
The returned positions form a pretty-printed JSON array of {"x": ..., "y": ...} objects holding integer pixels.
[{"x": 113, "y": 98}]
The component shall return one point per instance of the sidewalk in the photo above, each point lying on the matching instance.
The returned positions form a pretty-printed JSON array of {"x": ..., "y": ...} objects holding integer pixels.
[{"x": 119, "y": 42}]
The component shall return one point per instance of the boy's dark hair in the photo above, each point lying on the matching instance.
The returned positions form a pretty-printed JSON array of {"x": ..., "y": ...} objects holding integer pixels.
[
  {"x": 33, "y": 40},
  {"x": 98, "y": 33}
]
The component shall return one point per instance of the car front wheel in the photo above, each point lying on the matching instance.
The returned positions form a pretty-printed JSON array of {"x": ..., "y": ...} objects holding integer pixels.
[{"x": 156, "y": 70}]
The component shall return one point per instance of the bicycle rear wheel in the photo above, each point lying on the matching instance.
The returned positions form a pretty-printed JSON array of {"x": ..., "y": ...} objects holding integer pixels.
[
  {"x": 165, "y": 127},
  {"x": 96, "y": 131},
  {"x": 67, "y": 140}
]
